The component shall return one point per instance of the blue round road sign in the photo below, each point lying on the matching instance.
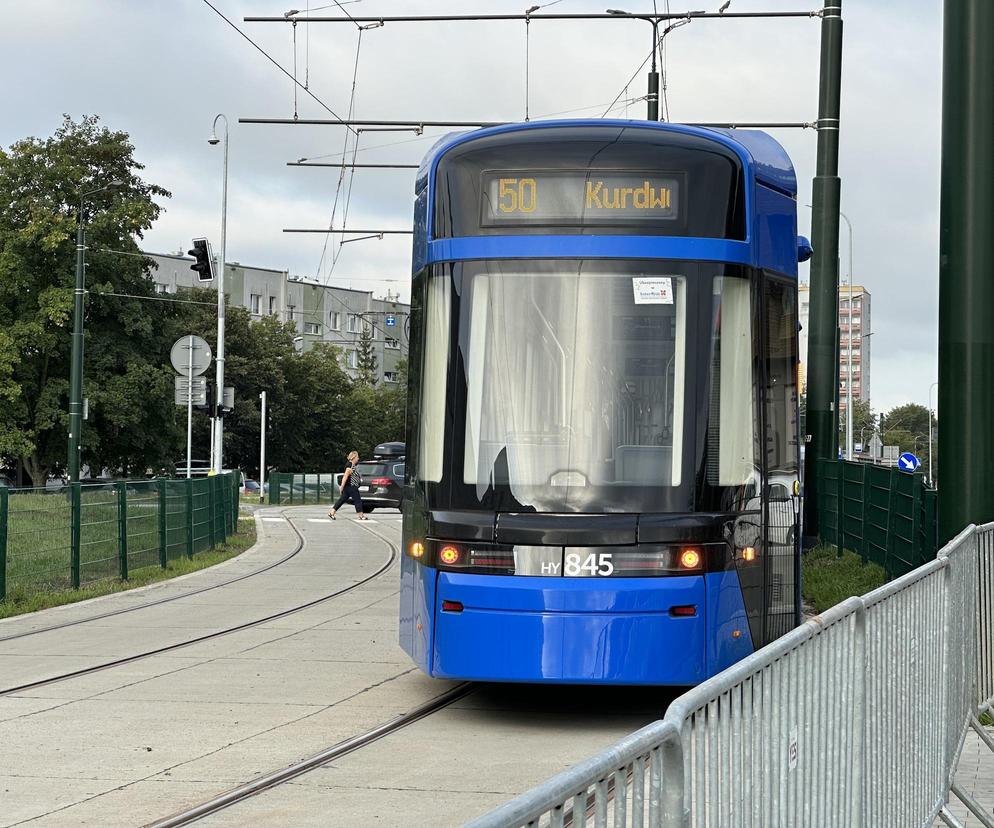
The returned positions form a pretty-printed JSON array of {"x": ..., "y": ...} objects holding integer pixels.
[{"x": 908, "y": 462}]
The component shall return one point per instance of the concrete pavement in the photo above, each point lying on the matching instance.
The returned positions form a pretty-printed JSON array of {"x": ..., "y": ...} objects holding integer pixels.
[
  {"x": 975, "y": 775},
  {"x": 135, "y": 743}
]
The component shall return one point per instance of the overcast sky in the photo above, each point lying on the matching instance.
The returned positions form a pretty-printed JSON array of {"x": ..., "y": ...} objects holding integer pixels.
[{"x": 161, "y": 71}]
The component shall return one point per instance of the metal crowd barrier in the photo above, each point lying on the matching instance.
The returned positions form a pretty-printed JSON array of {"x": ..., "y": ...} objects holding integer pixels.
[{"x": 857, "y": 717}]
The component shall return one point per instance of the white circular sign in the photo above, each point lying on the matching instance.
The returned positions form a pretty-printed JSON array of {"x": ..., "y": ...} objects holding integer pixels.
[{"x": 188, "y": 346}]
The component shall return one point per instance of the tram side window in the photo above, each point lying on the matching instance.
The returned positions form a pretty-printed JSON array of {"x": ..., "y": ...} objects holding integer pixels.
[
  {"x": 781, "y": 382},
  {"x": 732, "y": 458},
  {"x": 437, "y": 316}
]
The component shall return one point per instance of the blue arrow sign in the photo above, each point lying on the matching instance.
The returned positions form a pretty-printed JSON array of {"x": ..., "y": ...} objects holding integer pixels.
[
  {"x": 391, "y": 321},
  {"x": 908, "y": 462}
]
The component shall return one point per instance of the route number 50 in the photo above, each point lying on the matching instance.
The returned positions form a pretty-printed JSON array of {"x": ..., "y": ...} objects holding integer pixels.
[
  {"x": 516, "y": 195},
  {"x": 593, "y": 565}
]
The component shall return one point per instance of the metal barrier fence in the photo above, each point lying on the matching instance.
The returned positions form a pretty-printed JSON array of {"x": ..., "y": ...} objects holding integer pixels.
[
  {"x": 301, "y": 489},
  {"x": 885, "y": 515},
  {"x": 52, "y": 540},
  {"x": 857, "y": 718}
]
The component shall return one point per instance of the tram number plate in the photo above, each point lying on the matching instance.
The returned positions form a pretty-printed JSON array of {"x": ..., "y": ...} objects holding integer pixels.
[{"x": 588, "y": 565}]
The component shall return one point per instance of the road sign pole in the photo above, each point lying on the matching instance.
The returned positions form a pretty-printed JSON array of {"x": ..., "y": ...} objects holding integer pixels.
[
  {"x": 262, "y": 449},
  {"x": 966, "y": 262},
  {"x": 822, "y": 437},
  {"x": 189, "y": 411}
]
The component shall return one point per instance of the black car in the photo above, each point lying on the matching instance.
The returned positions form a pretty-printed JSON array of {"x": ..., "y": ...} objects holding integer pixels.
[{"x": 382, "y": 477}]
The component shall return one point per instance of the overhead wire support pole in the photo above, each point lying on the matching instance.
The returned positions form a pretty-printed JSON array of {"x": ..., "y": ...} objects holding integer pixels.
[
  {"x": 822, "y": 437},
  {"x": 966, "y": 253}
]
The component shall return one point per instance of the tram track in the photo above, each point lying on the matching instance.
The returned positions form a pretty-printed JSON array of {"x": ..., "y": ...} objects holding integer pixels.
[
  {"x": 302, "y": 543},
  {"x": 157, "y": 602},
  {"x": 290, "y": 772}
]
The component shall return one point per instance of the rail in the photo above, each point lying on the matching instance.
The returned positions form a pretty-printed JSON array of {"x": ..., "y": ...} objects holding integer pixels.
[
  {"x": 857, "y": 717},
  {"x": 55, "y": 539}
]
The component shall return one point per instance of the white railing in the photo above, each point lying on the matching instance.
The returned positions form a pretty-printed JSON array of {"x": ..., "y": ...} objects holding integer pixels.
[{"x": 856, "y": 718}]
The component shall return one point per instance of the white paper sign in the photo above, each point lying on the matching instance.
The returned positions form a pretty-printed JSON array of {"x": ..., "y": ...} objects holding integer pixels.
[{"x": 652, "y": 290}]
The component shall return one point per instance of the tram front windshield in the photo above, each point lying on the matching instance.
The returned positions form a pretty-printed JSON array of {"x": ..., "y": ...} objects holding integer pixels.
[{"x": 582, "y": 386}]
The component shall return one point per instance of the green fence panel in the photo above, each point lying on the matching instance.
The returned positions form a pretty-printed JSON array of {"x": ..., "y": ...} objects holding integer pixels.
[
  {"x": 177, "y": 519},
  {"x": 99, "y": 525},
  {"x": 163, "y": 536},
  {"x": 3, "y": 542},
  {"x": 39, "y": 540},
  {"x": 143, "y": 525},
  {"x": 876, "y": 530},
  {"x": 122, "y": 530},
  {"x": 200, "y": 520},
  {"x": 886, "y": 516}
]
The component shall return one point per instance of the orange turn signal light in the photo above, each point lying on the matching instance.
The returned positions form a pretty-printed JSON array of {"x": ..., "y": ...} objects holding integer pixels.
[
  {"x": 417, "y": 549},
  {"x": 449, "y": 555},
  {"x": 690, "y": 559},
  {"x": 749, "y": 553}
]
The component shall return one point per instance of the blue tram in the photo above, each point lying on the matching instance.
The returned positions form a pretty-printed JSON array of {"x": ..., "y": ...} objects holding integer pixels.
[{"x": 603, "y": 455}]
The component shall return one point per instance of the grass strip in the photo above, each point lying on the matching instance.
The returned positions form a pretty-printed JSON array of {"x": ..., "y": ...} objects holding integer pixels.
[
  {"x": 828, "y": 578},
  {"x": 19, "y": 600}
]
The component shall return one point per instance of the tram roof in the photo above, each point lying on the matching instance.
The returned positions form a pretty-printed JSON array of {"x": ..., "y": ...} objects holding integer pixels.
[{"x": 765, "y": 158}]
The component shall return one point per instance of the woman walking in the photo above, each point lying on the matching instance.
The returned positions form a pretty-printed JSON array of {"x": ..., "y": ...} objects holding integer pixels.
[{"x": 351, "y": 481}]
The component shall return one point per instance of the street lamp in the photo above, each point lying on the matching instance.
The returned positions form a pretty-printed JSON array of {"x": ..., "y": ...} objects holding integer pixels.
[
  {"x": 652, "y": 98},
  {"x": 219, "y": 420},
  {"x": 76, "y": 366},
  {"x": 931, "y": 482}
]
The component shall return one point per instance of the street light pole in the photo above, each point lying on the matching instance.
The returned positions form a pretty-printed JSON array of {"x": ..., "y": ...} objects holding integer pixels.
[
  {"x": 76, "y": 366},
  {"x": 652, "y": 96},
  {"x": 219, "y": 359},
  {"x": 849, "y": 400}
]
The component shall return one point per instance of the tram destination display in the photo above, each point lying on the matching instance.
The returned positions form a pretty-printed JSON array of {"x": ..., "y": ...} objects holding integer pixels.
[{"x": 578, "y": 197}]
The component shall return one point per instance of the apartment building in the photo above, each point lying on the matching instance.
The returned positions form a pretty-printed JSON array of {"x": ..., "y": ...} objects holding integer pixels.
[
  {"x": 321, "y": 313},
  {"x": 855, "y": 335}
]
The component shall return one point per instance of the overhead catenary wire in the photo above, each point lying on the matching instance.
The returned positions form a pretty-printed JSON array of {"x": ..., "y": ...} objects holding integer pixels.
[
  {"x": 271, "y": 59},
  {"x": 345, "y": 148}
]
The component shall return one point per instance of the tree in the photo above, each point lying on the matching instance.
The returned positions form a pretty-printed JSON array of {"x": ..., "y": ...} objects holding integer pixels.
[
  {"x": 366, "y": 357},
  {"x": 41, "y": 181},
  {"x": 864, "y": 423}
]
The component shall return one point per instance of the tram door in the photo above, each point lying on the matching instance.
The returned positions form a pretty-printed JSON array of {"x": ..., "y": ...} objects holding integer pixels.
[{"x": 782, "y": 457}]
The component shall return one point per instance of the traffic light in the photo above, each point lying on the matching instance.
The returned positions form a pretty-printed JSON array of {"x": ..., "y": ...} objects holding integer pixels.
[{"x": 204, "y": 266}]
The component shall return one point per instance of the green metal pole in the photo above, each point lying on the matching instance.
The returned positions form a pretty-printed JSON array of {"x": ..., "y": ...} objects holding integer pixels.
[
  {"x": 822, "y": 439},
  {"x": 76, "y": 366},
  {"x": 4, "y": 505},
  {"x": 75, "y": 532},
  {"x": 122, "y": 528},
  {"x": 163, "y": 548},
  {"x": 966, "y": 267}
]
